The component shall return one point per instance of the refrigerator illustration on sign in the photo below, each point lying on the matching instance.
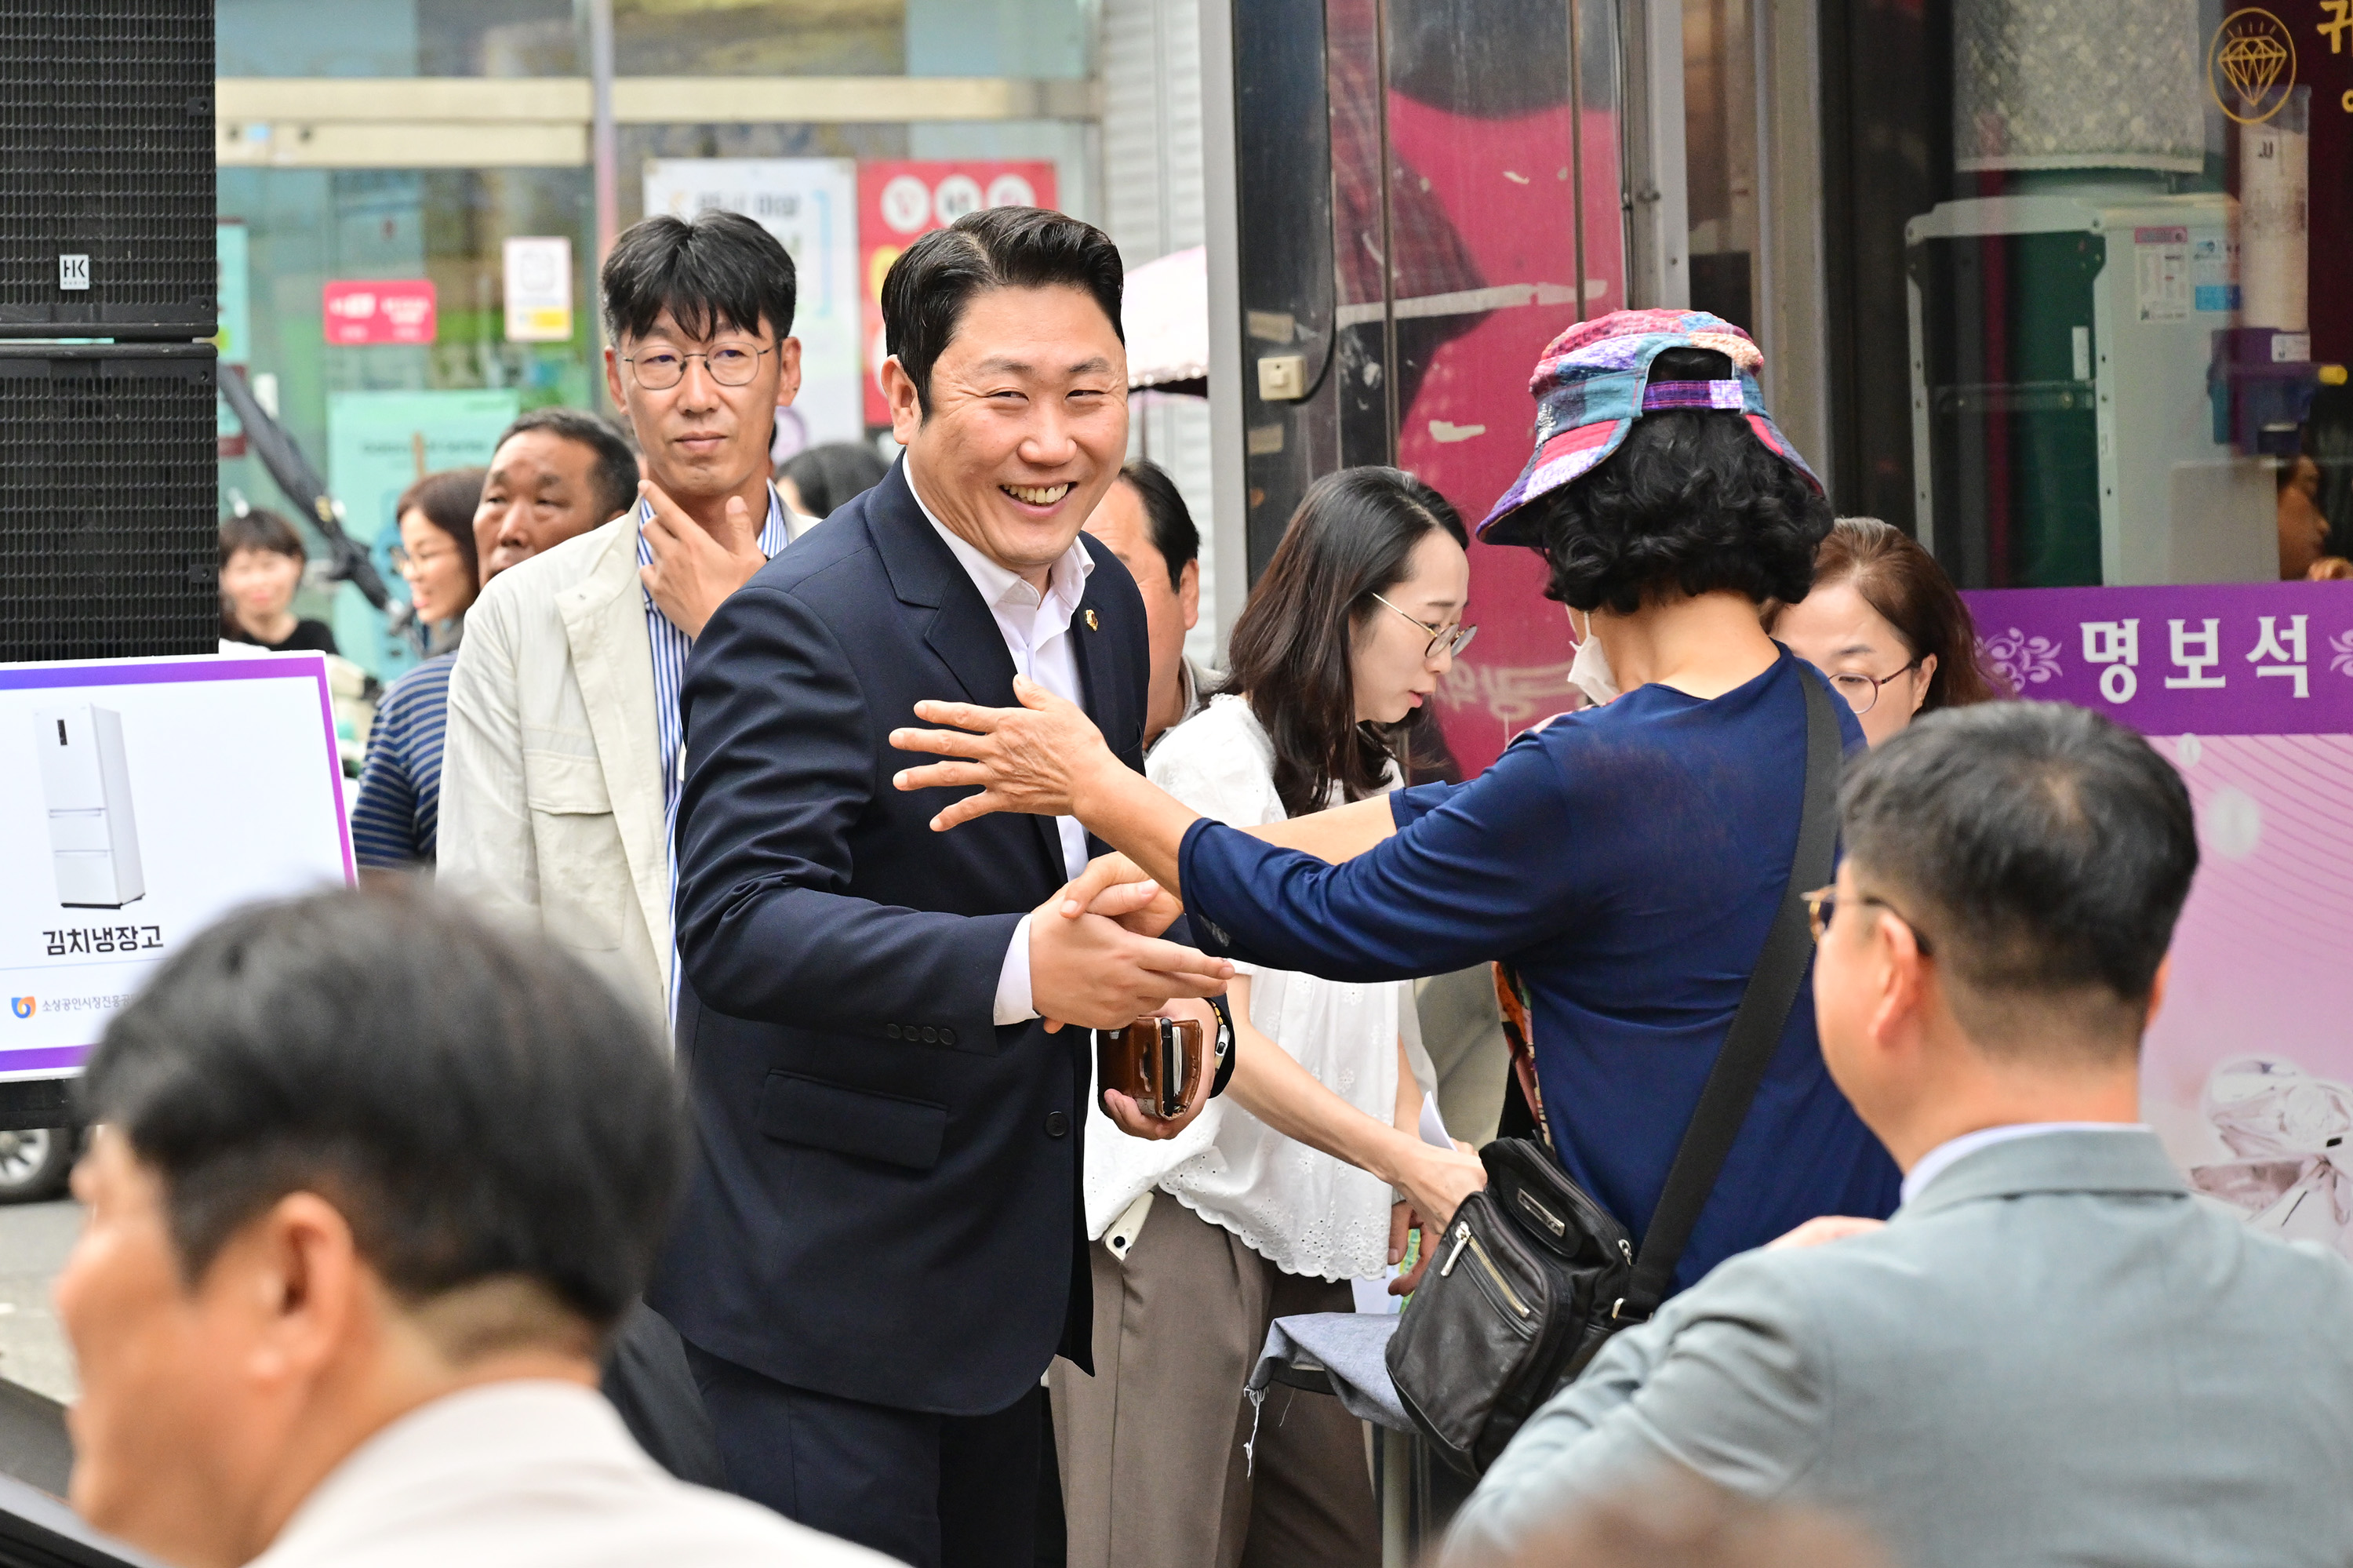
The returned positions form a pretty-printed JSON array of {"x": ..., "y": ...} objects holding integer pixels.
[{"x": 93, "y": 835}]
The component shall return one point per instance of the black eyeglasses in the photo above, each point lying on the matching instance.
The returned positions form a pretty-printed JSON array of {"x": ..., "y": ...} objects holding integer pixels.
[
  {"x": 1449, "y": 639},
  {"x": 1821, "y": 907},
  {"x": 1862, "y": 691},
  {"x": 664, "y": 368}
]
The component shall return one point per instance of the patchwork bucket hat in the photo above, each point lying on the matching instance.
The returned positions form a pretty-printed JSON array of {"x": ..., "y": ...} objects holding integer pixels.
[{"x": 1594, "y": 381}]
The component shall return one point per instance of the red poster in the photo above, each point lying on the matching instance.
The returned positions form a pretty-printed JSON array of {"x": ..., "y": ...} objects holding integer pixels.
[
  {"x": 379, "y": 310},
  {"x": 900, "y": 200}
]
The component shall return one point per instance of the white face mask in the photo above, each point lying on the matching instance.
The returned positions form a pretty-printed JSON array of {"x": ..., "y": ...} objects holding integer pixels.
[{"x": 1590, "y": 671}]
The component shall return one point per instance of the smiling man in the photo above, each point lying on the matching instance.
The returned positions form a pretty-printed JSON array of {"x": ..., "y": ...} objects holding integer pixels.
[{"x": 882, "y": 1247}]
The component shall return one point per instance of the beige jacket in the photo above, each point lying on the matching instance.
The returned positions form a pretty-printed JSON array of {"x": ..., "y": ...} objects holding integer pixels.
[
  {"x": 551, "y": 776},
  {"x": 530, "y": 1474}
]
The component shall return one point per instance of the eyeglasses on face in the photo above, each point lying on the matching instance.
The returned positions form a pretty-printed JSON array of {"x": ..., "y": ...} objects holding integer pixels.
[
  {"x": 1862, "y": 691},
  {"x": 405, "y": 560},
  {"x": 1821, "y": 909},
  {"x": 1447, "y": 640},
  {"x": 730, "y": 365}
]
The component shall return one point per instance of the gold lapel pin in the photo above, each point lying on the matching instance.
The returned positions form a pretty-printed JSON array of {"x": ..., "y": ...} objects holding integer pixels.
[{"x": 1093, "y": 624}]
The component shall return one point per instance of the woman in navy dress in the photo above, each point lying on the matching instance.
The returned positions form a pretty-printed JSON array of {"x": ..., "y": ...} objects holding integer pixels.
[{"x": 1626, "y": 859}]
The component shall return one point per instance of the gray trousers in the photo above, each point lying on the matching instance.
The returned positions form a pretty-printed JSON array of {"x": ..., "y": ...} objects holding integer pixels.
[{"x": 1154, "y": 1474}]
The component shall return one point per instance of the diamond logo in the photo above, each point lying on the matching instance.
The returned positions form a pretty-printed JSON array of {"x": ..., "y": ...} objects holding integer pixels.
[{"x": 2250, "y": 64}]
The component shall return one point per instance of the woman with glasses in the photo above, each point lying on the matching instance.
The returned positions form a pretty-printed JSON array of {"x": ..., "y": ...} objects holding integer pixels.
[
  {"x": 1628, "y": 859},
  {"x": 395, "y": 820},
  {"x": 1886, "y": 624},
  {"x": 1203, "y": 1240}
]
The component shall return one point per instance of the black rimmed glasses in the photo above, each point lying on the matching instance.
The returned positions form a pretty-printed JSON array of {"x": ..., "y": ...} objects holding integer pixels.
[
  {"x": 1821, "y": 907},
  {"x": 730, "y": 365},
  {"x": 1862, "y": 691},
  {"x": 1448, "y": 640}
]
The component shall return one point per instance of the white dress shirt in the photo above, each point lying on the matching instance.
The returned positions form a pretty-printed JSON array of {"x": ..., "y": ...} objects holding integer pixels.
[
  {"x": 531, "y": 1474},
  {"x": 1933, "y": 1163},
  {"x": 1036, "y": 628}
]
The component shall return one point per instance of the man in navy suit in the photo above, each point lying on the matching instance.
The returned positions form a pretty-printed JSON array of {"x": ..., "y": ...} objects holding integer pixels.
[{"x": 882, "y": 1245}]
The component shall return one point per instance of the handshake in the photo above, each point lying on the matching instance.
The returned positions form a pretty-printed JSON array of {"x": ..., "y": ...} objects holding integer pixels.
[{"x": 1097, "y": 960}]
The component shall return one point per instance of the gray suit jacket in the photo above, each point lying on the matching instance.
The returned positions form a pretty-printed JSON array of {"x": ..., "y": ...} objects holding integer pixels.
[{"x": 2053, "y": 1355}]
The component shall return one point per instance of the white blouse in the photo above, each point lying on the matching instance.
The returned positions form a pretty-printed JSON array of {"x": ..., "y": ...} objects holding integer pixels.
[{"x": 1300, "y": 1209}]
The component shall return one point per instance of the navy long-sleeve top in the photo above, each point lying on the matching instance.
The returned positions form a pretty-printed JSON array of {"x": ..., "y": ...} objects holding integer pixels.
[{"x": 1628, "y": 859}]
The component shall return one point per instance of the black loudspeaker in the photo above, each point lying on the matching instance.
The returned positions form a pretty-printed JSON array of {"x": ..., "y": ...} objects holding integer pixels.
[
  {"x": 109, "y": 546},
  {"x": 107, "y": 180}
]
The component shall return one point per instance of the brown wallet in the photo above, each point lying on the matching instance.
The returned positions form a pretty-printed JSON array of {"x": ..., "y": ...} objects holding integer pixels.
[{"x": 1156, "y": 1062}]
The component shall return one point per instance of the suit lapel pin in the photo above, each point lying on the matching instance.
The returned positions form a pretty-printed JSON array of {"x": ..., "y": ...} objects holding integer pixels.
[{"x": 1093, "y": 624}]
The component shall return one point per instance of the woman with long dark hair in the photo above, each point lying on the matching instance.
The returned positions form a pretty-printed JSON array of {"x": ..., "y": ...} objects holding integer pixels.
[
  {"x": 1206, "y": 1239},
  {"x": 1888, "y": 628}
]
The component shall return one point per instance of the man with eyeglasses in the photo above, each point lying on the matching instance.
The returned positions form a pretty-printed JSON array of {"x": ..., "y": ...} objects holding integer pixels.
[
  {"x": 564, "y": 727},
  {"x": 564, "y": 731}
]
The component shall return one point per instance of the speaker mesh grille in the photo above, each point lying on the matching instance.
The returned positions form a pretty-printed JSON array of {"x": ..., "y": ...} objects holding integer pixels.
[
  {"x": 108, "y": 545},
  {"x": 106, "y": 113}
]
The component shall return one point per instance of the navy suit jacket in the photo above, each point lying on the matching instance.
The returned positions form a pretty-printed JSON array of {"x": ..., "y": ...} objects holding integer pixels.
[{"x": 886, "y": 1205}]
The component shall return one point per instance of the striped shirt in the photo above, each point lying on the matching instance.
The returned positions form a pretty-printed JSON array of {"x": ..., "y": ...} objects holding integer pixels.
[
  {"x": 396, "y": 818},
  {"x": 670, "y": 647}
]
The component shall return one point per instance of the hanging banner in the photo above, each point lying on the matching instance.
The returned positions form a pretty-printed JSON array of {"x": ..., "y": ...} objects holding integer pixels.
[
  {"x": 2247, "y": 688},
  {"x": 142, "y": 799},
  {"x": 538, "y": 279},
  {"x": 809, "y": 205},
  {"x": 378, "y": 311},
  {"x": 899, "y": 200}
]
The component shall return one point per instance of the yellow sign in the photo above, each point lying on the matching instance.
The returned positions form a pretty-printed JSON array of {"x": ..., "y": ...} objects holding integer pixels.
[{"x": 2250, "y": 64}]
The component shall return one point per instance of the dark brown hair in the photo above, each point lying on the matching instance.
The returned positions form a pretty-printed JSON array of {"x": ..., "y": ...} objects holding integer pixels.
[
  {"x": 1351, "y": 537},
  {"x": 1903, "y": 583},
  {"x": 446, "y": 499}
]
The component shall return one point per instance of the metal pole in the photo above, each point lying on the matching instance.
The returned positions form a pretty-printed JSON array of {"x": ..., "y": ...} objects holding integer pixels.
[
  {"x": 604, "y": 152},
  {"x": 1577, "y": 147},
  {"x": 604, "y": 157},
  {"x": 1390, "y": 370}
]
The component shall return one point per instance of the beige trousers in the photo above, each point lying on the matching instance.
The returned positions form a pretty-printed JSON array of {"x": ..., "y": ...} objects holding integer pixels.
[{"x": 1154, "y": 1475}]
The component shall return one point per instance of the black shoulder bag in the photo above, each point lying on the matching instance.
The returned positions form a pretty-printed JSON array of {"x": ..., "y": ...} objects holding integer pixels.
[{"x": 1532, "y": 1276}]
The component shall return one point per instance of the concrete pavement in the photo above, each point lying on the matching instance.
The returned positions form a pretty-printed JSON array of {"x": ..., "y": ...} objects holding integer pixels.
[{"x": 34, "y": 1241}]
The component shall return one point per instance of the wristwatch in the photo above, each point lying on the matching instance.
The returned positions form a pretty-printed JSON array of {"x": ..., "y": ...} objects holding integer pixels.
[{"x": 1225, "y": 1045}]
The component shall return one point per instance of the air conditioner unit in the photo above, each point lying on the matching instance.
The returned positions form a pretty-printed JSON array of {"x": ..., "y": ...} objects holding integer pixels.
[{"x": 93, "y": 834}]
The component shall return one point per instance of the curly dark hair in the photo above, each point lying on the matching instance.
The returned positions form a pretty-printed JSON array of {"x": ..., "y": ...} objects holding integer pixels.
[{"x": 1692, "y": 503}]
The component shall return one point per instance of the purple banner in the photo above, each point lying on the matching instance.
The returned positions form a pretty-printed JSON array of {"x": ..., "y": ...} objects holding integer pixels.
[{"x": 2216, "y": 659}]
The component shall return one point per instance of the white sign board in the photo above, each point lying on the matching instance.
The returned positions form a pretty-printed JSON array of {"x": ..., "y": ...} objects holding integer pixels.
[
  {"x": 810, "y": 204},
  {"x": 539, "y": 290},
  {"x": 141, "y": 799}
]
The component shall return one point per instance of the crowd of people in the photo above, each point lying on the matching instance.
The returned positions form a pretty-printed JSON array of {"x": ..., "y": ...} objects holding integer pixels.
[{"x": 795, "y": 831}]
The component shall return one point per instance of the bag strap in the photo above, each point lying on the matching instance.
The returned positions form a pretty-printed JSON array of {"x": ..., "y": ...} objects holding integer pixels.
[{"x": 1755, "y": 1029}]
